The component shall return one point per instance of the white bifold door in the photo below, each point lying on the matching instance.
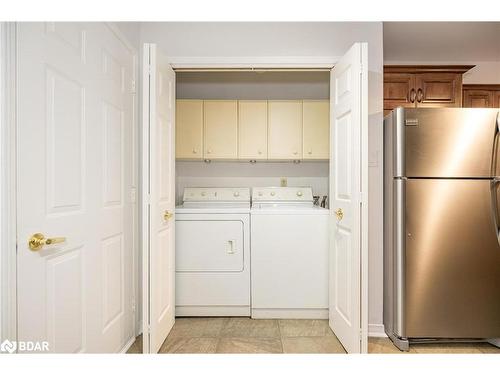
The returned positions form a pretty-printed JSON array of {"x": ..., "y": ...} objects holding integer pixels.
[
  {"x": 348, "y": 199},
  {"x": 75, "y": 229},
  {"x": 158, "y": 225}
]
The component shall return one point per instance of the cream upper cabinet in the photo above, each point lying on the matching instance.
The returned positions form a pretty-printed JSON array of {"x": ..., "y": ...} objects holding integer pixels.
[
  {"x": 316, "y": 129},
  {"x": 285, "y": 129},
  {"x": 189, "y": 129},
  {"x": 252, "y": 129},
  {"x": 221, "y": 129}
]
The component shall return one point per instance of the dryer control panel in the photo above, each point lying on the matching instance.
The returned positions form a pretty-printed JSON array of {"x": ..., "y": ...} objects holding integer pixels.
[
  {"x": 282, "y": 194},
  {"x": 211, "y": 194}
]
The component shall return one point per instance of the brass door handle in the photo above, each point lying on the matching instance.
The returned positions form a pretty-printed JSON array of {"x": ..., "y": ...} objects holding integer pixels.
[
  {"x": 339, "y": 213},
  {"x": 167, "y": 215},
  {"x": 420, "y": 95},
  {"x": 38, "y": 241},
  {"x": 412, "y": 96}
]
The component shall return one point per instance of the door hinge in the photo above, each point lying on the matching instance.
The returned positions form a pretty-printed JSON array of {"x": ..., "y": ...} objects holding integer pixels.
[{"x": 132, "y": 86}]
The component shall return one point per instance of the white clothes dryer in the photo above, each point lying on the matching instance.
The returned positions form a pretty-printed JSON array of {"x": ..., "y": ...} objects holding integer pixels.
[{"x": 213, "y": 252}]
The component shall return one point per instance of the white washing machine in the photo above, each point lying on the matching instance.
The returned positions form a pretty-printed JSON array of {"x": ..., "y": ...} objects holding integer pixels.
[
  {"x": 289, "y": 239},
  {"x": 212, "y": 239}
]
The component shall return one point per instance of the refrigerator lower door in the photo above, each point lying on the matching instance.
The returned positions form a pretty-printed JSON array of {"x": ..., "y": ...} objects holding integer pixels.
[{"x": 452, "y": 259}]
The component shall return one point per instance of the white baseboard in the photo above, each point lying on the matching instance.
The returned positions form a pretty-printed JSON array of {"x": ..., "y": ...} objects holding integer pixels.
[
  {"x": 376, "y": 330},
  {"x": 212, "y": 310},
  {"x": 289, "y": 313},
  {"x": 128, "y": 345},
  {"x": 495, "y": 342}
]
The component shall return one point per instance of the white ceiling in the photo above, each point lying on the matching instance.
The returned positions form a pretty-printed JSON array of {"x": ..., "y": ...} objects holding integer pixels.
[{"x": 441, "y": 41}]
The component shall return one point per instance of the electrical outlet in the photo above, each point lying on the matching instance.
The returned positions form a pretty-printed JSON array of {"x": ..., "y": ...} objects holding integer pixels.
[{"x": 283, "y": 182}]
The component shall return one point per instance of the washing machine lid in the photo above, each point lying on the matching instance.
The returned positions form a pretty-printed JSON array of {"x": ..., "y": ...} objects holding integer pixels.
[
  {"x": 213, "y": 197},
  {"x": 282, "y": 197}
]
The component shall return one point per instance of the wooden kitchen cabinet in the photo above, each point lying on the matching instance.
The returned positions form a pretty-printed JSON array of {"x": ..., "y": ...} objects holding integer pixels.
[
  {"x": 439, "y": 90},
  {"x": 496, "y": 99},
  {"x": 399, "y": 90},
  {"x": 252, "y": 129},
  {"x": 316, "y": 129},
  {"x": 481, "y": 96},
  {"x": 220, "y": 126},
  {"x": 420, "y": 86},
  {"x": 285, "y": 129},
  {"x": 189, "y": 129}
]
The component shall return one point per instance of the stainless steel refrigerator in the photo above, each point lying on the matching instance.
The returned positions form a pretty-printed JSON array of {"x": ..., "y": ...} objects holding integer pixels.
[{"x": 441, "y": 224}]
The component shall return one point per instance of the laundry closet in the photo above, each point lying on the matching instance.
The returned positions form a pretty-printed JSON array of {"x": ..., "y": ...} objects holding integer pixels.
[{"x": 251, "y": 181}]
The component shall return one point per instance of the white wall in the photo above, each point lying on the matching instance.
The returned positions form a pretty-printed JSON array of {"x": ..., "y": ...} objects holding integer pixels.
[
  {"x": 132, "y": 31},
  {"x": 278, "y": 43},
  {"x": 253, "y": 85},
  {"x": 485, "y": 72},
  {"x": 454, "y": 43},
  {"x": 245, "y": 174}
]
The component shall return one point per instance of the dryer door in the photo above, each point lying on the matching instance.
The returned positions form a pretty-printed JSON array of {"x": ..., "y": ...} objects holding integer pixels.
[{"x": 209, "y": 246}]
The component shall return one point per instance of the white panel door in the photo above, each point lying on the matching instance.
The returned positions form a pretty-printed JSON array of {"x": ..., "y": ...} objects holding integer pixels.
[
  {"x": 159, "y": 230},
  {"x": 75, "y": 175},
  {"x": 348, "y": 202}
]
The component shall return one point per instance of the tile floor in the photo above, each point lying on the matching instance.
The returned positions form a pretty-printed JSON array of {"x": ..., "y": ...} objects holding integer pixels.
[
  {"x": 385, "y": 346},
  {"x": 244, "y": 335}
]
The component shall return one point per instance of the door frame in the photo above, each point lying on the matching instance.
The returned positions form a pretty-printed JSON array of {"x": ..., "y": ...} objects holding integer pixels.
[
  {"x": 8, "y": 173},
  {"x": 8, "y": 197},
  {"x": 305, "y": 63}
]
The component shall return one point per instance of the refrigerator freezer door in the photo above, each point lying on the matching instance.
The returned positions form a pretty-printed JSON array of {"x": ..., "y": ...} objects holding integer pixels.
[
  {"x": 452, "y": 259},
  {"x": 449, "y": 142}
]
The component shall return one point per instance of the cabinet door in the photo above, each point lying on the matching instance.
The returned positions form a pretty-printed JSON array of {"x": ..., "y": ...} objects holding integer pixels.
[
  {"x": 252, "y": 129},
  {"x": 221, "y": 129},
  {"x": 316, "y": 129},
  {"x": 189, "y": 129},
  {"x": 439, "y": 90},
  {"x": 477, "y": 99},
  {"x": 399, "y": 90},
  {"x": 285, "y": 129}
]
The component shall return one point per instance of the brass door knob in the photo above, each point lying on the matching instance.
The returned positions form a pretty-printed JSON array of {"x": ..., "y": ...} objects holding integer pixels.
[
  {"x": 168, "y": 215},
  {"x": 339, "y": 213},
  {"x": 38, "y": 241}
]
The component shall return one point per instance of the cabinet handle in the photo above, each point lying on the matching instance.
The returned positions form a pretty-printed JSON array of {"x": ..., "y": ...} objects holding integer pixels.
[
  {"x": 209, "y": 151},
  {"x": 420, "y": 95},
  {"x": 194, "y": 151},
  {"x": 295, "y": 152},
  {"x": 412, "y": 96},
  {"x": 309, "y": 152}
]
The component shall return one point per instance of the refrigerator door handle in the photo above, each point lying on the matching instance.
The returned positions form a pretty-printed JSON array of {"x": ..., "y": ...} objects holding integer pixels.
[
  {"x": 494, "y": 150},
  {"x": 494, "y": 205}
]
